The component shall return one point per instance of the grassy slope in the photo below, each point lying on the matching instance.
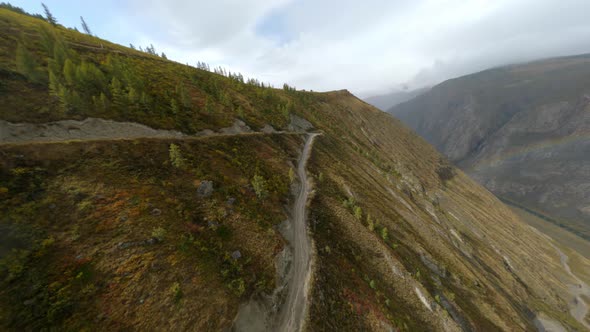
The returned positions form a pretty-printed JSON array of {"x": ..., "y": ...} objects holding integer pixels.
[
  {"x": 361, "y": 157},
  {"x": 69, "y": 206},
  {"x": 86, "y": 211}
]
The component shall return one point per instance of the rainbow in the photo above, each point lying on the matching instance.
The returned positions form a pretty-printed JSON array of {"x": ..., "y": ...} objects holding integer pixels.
[{"x": 519, "y": 151}]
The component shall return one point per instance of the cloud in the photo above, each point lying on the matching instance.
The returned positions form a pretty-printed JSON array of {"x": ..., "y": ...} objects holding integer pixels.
[{"x": 363, "y": 46}]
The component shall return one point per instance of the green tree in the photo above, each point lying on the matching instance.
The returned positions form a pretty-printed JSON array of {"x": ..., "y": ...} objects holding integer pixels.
[
  {"x": 144, "y": 101},
  {"x": 65, "y": 99},
  {"x": 54, "y": 84},
  {"x": 208, "y": 106},
  {"x": 85, "y": 26},
  {"x": 26, "y": 64},
  {"x": 240, "y": 112},
  {"x": 118, "y": 96},
  {"x": 358, "y": 212},
  {"x": 90, "y": 79},
  {"x": 384, "y": 234},
  {"x": 60, "y": 54},
  {"x": 259, "y": 185},
  {"x": 183, "y": 95},
  {"x": 70, "y": 72},
  {"x": 48, "y": 15},
  {"x": 133, "y": 96},
  {"x": 176, "y": 157},
  {"x": 101, "y": 103},
  {"x": 174, "y": 106},
  {"x": 47, "y": 38},
  {"x": 370, "y": 223}
]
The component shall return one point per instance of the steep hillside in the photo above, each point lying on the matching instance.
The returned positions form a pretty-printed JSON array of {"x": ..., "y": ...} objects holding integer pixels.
[
  {"x": 186, "y": 220},
  {"x": 522, "y": 131}
]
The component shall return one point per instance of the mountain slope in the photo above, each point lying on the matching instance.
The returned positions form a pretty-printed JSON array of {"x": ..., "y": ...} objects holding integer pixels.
[
  {"x": 177, "y": 233},
  {"x": 387, "y": 101},
  {"x": 521, "y": 130}
]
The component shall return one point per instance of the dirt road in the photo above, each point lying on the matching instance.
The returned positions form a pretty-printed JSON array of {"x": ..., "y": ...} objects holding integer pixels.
[{"x": 293, "y": 314}]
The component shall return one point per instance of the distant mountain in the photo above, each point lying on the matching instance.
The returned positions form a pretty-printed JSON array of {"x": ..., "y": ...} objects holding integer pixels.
[
  {"x": 386, "y": 101},
  {"x": 520, "y": 130}
]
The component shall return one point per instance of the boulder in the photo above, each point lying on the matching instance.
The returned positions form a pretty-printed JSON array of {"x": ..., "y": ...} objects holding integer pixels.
[{"x": 205, "y": 189}]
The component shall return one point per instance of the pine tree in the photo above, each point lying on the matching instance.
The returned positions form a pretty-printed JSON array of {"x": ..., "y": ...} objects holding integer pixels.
[
  {"x": 164, "y": 55},
  {"x": 174, "y": 106},
  {"x": 176, "y": 157},
  {"x": 240, "y": 112},
  {"x": 208, "y": 107},
  {"x": 90, "y": 79},
  {"x": 358, "y": 212},
  {"x": 26, "y": 64},
  {"x": 100, "y": 103},
  {"x": 184, "y": 97},
  {"x": 118, "y": 96},
  {"x": 85, "y": 26},
  {"x": 48, "y": 16},
  {"x": 47, "y": 38},
  {"x": 259, "y": 185},
  {"x": 144, "y": 102},
  {"x": 54, "y": 84},
  {"x": 133, "y": 96},
  {"x": 64, "y": 98},
  {"x": 70, "y": 72},
  {"x": 60, "y": 55}
]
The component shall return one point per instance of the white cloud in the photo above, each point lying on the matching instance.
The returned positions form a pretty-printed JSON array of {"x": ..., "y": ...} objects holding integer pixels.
[{"x": 363, "y": 46}]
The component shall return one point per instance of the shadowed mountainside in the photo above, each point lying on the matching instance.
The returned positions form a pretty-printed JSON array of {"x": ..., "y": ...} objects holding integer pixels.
[{"x": 522, "y": 131}]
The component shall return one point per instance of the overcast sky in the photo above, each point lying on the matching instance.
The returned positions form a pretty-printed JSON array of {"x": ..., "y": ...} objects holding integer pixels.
[{"x": 368, "y": 47}]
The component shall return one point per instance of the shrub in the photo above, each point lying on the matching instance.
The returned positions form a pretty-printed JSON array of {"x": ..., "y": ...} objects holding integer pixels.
[
  {"x": 349, "y": 203},
  {"x": 159, "y": 233},
  {"x": 176, "y": 292},
  {"x": 259, "y": 185},
  {"x": 238, "y": 286},
  {"x": 445, "y": 171}
]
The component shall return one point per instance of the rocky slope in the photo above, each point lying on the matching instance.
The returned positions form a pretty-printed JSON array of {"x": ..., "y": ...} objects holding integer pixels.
[
  {"x": 177, "y": 233},
  {"x": 522, "y": 131}
]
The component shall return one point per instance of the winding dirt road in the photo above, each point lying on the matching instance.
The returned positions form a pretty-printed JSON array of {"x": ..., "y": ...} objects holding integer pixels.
[{"x": 293, "y": 314}]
